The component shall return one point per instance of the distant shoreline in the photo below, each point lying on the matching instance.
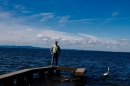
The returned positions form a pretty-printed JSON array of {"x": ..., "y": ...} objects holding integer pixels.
[
  {"x": 13, "y": 46},
  {"x": 32, "y": 47}
]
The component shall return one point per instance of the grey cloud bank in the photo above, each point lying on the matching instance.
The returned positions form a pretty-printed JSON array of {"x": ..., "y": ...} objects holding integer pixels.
[{"x": 45, "y": 38}]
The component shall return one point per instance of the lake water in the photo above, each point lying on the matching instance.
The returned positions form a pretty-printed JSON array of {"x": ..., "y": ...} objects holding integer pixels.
[{"x": 96, "y": 63}]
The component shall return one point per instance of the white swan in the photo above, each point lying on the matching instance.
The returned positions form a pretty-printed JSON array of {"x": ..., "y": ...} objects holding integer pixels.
[{"x": 106, "y": 74}]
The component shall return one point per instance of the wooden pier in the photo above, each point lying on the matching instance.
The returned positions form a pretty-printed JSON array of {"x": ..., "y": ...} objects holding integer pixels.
[{"x": 25, "y": 76}]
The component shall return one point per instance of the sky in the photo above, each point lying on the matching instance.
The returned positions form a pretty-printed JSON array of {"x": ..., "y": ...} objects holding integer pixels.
[{"x": 102, "y": 25}]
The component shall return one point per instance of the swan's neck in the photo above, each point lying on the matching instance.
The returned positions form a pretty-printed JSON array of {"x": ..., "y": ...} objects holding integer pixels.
[{"x": 108, "y": 70}]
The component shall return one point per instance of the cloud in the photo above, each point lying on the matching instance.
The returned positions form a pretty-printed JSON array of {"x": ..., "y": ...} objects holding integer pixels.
[
  {"x": 25, "y": 11},
  {"x": 5, "y": 15},
  {"x": 22, "y": 9},
  {"x": 19, "y": 6},
  {"x": 64, "y": 19},
  {"x": 86, "y": 20},
  {"x": 115, "y": 14},
  {"x": 83, "y": 41},
  {"x": 29, "y": 29},
  {"x": 45, "y": 38},
  {"x": 88, "y": 36},
  {"x": 46, "y": 16},
  {"x": 56, "y": 35},
  {"x": 39, "y": 35},
  {"x": 24, "y": 30},
  {"x": 108, "y": 20}
]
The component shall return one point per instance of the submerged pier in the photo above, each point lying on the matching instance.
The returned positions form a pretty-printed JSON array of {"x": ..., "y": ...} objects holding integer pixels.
[{"x": 26, "y": 76}]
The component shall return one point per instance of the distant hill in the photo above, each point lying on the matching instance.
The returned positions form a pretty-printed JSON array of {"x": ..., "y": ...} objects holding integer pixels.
[{"x": 13, "y": 46}]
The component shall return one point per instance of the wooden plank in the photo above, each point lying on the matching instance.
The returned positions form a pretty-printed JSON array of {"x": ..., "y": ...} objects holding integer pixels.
[
  {"x": 80, "y": 72},
  {"x": 66, "y": 68},
  {"x": 40, "y": 68},
  {"x": 23, "y": 71},
  {"x": 13, "y": 73}
]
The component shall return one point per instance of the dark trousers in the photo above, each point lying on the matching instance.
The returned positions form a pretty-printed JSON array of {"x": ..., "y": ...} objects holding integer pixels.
[{"x": 54, "y": 56}]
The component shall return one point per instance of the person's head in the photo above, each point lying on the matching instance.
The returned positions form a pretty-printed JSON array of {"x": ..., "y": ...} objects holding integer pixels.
[{"x": 56, "y": 42}]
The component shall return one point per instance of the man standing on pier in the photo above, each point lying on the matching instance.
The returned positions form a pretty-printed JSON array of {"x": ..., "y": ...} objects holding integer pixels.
[{"x": 55, "y": 51}]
